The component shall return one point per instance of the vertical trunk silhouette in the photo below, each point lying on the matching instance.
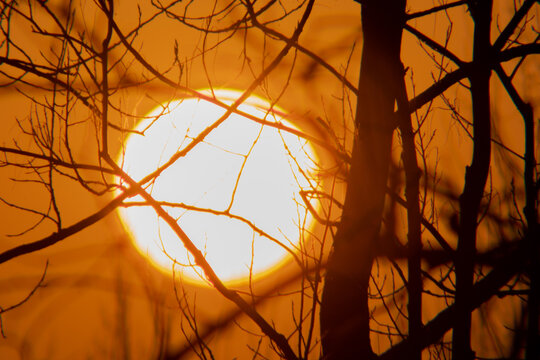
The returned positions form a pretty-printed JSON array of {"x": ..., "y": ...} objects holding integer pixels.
[
  {"x": 414, "y": 232},
  {"x": 344, "y": 310},
  {"x": 475, "y": 178},
  {"x": 533, "y": 237}
]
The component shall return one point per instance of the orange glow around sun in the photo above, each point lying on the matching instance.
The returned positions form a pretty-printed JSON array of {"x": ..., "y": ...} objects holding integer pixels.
[{"x": 236, "y": 194}]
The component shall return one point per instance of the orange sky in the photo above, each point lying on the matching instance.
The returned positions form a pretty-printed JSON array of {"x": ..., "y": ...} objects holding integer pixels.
[{"x": 101, "y": 299}]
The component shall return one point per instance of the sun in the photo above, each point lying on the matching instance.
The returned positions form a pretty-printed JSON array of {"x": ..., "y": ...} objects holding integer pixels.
[{"x": 236, "y": 194}]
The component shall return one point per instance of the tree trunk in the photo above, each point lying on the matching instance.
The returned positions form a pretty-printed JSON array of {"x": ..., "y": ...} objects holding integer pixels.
[
  {"x": 475, "y": 178},
  {"x": 344, "y": 310}
]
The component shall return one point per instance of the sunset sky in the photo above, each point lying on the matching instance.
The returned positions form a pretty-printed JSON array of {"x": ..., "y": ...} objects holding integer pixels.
[{"x": 100, "y": 297}]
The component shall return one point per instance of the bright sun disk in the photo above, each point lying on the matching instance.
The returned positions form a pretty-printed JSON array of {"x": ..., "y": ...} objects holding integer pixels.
[{"x": 242, "y": 168}]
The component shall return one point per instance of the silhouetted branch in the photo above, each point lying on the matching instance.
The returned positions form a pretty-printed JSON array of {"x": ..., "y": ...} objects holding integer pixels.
[
  {"x": 65, "y": 232},
  {"x": 26, "y": 298},
  {"x": 482, "y": 291},
  {"x": 443, "y": 50},
  {"x": 435, "y": 9},
  {"x": 512, "y": 25}
]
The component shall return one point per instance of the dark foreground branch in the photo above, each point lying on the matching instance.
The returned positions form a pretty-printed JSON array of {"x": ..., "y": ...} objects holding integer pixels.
[
  {"x": 482, "y": 291},
  {"x": 64, "y": 233}
]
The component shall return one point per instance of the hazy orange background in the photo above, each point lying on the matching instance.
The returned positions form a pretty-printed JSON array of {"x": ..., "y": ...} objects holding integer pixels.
[{"x": 101, "y": 299}]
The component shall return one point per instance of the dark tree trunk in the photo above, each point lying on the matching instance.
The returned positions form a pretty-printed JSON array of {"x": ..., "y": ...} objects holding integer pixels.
[
  {"x": 533, "y": 237},
  {"x": 414, "y": 232},
  {"x": 475, "y": 178},
  {"x": 344, "y": 310}
]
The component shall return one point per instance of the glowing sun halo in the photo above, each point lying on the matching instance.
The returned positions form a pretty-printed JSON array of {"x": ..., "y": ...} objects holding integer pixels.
[{"x": 242, "y": 168}]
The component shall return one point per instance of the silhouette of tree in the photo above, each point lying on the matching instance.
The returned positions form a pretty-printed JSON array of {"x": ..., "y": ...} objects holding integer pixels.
[{"x": 426, "y": 202}]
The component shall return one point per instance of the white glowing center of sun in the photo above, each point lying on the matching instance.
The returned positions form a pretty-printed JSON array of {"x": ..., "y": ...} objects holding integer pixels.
[{"x": 236, "y": 194}]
